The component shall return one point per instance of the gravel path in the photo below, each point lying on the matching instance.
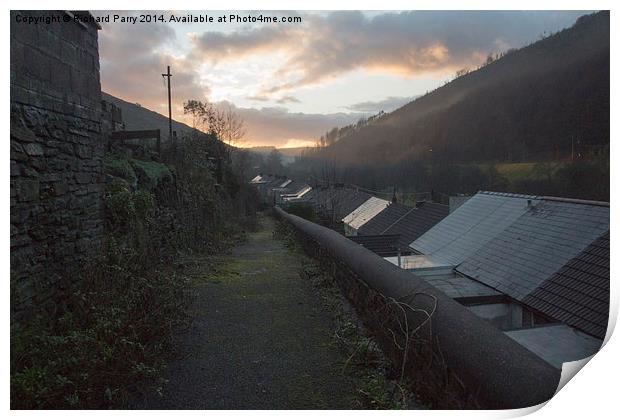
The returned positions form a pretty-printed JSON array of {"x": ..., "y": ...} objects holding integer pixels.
[{"x": 260, "y": 339}]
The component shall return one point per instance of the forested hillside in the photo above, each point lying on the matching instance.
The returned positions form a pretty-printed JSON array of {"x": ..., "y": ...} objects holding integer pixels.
[{"x": 548, "y": 101}]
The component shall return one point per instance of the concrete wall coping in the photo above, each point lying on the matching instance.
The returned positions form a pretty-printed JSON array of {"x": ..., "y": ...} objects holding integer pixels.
[{"x": 498, "y": 370}]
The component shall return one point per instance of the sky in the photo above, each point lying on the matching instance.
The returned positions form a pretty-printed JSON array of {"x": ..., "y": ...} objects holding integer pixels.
[{"x": 293, "y": 81}]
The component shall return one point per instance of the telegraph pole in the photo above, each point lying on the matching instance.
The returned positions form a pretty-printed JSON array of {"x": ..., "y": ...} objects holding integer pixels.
[{"x": 168, "y": 75}]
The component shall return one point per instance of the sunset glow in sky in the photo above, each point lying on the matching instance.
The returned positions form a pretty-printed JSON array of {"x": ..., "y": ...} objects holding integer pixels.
[{"x": 291, "y": 82}]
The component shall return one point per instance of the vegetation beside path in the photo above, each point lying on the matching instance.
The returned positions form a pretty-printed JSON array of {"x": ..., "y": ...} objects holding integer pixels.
[{"x": 271, "y": 331}]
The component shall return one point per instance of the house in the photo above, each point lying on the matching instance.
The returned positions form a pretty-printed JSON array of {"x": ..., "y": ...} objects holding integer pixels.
[
  {"x": 302, "y": 194},
  {"x": 265, "y": 184},
  {"x": 471, "y": 226},
  {"x": 335, "y": 202},
  {"x": 535, "y": 267},
  {"x": 578, "y": 293},
  {"x": 289, "y": 189},
  {"x": 363, "y": 214},
  {"x": 409, "y": 223},
  {"x": 382, "y": 245}
]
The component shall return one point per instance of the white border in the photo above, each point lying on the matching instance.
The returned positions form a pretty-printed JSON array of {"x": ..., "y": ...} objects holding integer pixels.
[{"x": 591, "y": 394}]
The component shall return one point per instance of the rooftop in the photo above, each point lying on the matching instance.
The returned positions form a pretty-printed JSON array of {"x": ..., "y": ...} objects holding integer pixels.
[
  {"x": 536, "y": 246},
  {"x": 415, "y": 223},
  {"x": 457, "y": 287},
  {"x": 386, "y": 218},
  {"x": 578, "y": 293},
  {"x": 412, "y": 262},
  {"x": 303, "y": 192},
  {"x": 382, "y": 245},
  {"x": 339, "y": 201},
  {"x": 472, "y": 225},
  {"x": 556, "y": 344},
  {"x": 365, "y": 212}
]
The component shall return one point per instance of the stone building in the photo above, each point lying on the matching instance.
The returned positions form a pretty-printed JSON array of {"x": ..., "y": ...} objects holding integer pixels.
[
  {"x": 111, "y": 117},
  {"x": 56, "y": 153}
]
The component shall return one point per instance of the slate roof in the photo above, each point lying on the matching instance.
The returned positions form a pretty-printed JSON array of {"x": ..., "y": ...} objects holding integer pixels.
[
  {"x": 536, "y": 245},
  {"x": 340, "y": 201},
  {"x": 293, "y": 187},
  {"x": 285, "y": 183},
  {"x": 578, "y": 293},
  {"x": 308, "y": 197},
  {"x": 272, "y": 181},
  {"x": 382, "y": 221},
  {"x": 365, "y": 212},
  {"x": 416, "y": 223},
  {"x": 409, "y": 222},
  {"x": 382, "y": 245},
  {"x": 471, "y": 226},
  {"x": 300, "y": 195}
]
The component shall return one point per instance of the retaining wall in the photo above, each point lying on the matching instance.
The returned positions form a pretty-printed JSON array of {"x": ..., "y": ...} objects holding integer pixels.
[{"x": 456, "y": 360}]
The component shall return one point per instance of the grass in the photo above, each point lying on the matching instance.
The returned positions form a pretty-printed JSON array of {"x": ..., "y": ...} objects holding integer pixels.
[
  {"x": 153, "y": 172},
  {"x": 519, "y": 171},
  {"x": 363, "y": 361},
  {"x": 516, "y": 171},
  {"x": 148, "y": 173}
]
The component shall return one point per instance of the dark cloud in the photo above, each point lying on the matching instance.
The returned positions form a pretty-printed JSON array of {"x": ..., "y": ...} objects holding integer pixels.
[
  {"x": 288, "y": 99},
  {"x": 387, "y": 105},
  {"x": 216, "y": 46},
  {"x": 324, "y": 46},
  {"x": 133, "y": 59},
  {"x": 406, "y": 43}
]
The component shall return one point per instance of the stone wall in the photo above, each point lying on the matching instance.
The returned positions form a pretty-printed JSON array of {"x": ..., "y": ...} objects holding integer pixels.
[{"x": 56, "y": 155}]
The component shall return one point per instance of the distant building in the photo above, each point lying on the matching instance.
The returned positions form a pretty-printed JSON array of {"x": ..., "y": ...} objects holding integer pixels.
[
  {"x": 335, "y": 202},
  {"x": 409, "y": 223},
  {"x": 363, "y": 214}
]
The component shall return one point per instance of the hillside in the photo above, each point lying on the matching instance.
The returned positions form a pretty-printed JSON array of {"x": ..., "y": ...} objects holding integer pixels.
[
  {"x": 137, "y": 117},
  {"x": 534, "y": 103}
]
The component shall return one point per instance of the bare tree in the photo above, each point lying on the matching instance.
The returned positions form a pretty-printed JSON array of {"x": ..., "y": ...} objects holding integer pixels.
[
  {"x": 225, "y": 124},
  {"x": 198, "y": 111},
  {"x": 233, "y": 127}
]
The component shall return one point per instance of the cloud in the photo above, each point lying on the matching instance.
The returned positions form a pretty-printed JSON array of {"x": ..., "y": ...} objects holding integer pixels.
[
  {"x": 133, "y": 58},
  {"x": 277, "y": 126},
  {"x": 387, "y": 105},
  {"x": 259, "y": 98},
  {"x": 324, "y": 47},
  {"x": 215, "y": 46},
  {"x": 288, "y": 99},
  {"x": 406, "y": 43}
]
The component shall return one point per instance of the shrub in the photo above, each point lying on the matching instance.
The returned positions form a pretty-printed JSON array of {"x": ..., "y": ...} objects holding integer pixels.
[
  {"x": 302, "y": 210},
  {"x": 113, "y": 332},
  {"x": 111, "y": 340}
]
